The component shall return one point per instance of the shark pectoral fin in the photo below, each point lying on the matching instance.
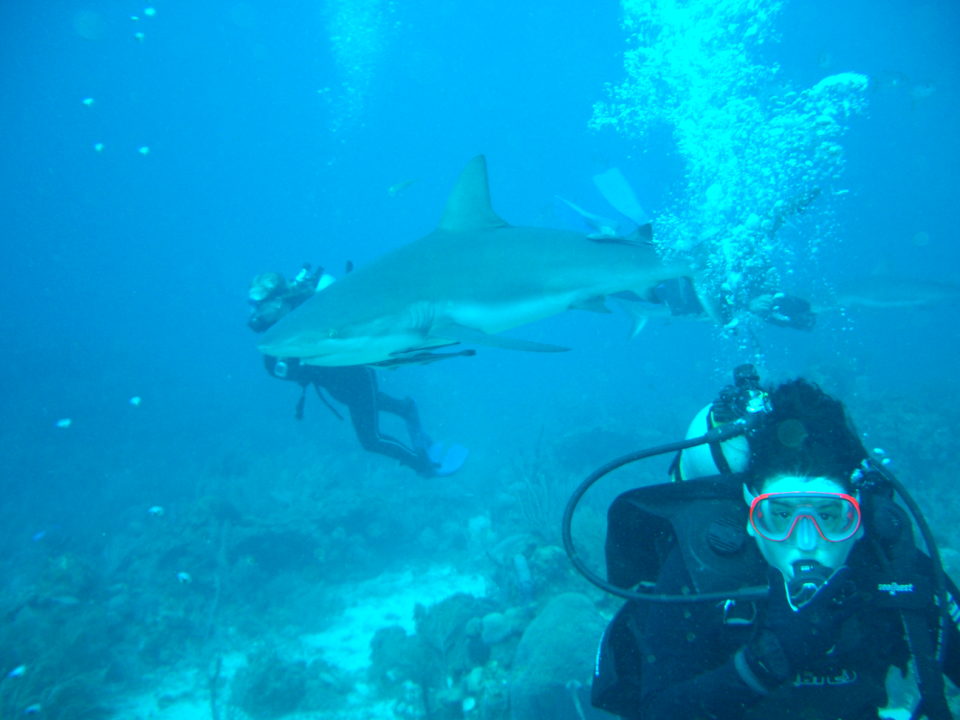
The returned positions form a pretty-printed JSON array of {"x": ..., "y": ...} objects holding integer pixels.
[
  {"x": 468, "y": 207},
  {"x": 461, "y": 333},
  {"x": 592, "y": 304}
]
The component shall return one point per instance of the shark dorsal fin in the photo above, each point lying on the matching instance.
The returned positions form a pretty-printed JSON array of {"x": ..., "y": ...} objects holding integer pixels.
[{"x": 468, "y": 207}]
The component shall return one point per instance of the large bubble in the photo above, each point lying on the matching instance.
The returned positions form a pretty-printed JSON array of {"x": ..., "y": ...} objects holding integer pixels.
[{"x": 759, "y": 155}]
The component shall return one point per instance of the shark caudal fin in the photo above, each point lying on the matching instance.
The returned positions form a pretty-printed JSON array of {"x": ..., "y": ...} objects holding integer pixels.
[{"x": 468, "y": 207}]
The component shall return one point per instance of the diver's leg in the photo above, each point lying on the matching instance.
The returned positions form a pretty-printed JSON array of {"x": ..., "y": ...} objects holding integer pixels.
[
  {"x": 364, "y": 413},
  {"x": 439, "y": 462},
  {"x": 406, "y": 410}
]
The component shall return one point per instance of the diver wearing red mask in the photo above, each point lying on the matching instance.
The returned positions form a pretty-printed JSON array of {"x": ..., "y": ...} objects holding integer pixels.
[{"x": 793, "y": 507}]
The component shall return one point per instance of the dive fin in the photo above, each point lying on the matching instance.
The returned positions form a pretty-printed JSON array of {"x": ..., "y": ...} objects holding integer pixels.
[
  {"x": 461, "y": 333},
  {"x": 453, "y": 460},
  {"x": 602, "y": 227},
  {"x": 446, "y": 463},
  {"x": 592, "y": 304},
  {"x": 617, "y": 191},
  {"x": 468, "y": 207}
]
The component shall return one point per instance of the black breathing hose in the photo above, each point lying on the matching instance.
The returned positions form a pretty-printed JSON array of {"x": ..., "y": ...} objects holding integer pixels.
[
  {"x": 721, "y": 434},
  {"x": 718, "y": 434},
  {"x": 939, "y": 576}
]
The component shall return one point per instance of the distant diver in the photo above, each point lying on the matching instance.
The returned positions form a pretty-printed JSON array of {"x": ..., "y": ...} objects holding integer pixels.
[
  {"x": 272, "y": 297},
  {"x": 677, "y": 296},
  {"x": 775, "y": 308}
]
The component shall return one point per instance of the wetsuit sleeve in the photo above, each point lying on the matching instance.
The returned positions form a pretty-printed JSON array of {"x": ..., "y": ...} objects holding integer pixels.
[
  {"x": 688, "y": 655},
  {"x": 618, "y": 689},
  {"x": 951, "y": 665},
  {"x": 717, "y": 693}
]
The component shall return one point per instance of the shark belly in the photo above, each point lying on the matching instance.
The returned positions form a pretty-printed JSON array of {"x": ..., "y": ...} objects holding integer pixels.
[
  {"x": 496, "y": 317},
  {"x": 363, "y": 350}
]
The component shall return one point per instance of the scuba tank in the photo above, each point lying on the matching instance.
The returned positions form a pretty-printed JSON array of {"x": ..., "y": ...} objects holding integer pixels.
[{"x": 737, "y": 401}]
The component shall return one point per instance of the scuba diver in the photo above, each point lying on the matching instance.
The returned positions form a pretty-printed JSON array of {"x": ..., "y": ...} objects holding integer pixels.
[
  {"x": 776, "y": 308},
  {"x": 775, "y": 578},
  {"x": 272, "y": 297}
]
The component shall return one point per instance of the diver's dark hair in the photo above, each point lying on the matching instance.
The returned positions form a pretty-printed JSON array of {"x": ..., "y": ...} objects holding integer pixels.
[{"x": 806, "y": 433}]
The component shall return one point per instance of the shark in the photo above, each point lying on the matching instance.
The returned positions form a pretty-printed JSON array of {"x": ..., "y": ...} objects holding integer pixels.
[
  {"x": 891, "y": 292},
  {"x": 471, "y": 278}
]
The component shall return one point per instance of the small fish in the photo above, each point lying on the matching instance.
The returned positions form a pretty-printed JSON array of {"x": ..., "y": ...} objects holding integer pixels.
[
  {"x": 922, "y": 90},
  {"x": 135, "y": 400},
  {"x": 18, "y": 671},
  {"x": 824, "y": 59},
  {"x": 156, "y": 511},
  {"x": 64, "y": 423},
  {"x": 138, "y": 36},
  {"x": 395, "y": 190},
  {"x": 143, "y": 150},
  {"x": 879, "y": 451},
  {"x": 891, "y": 80},
  {"x": 32, "y": 709},
  {"x": 184, "y": 578},
  {"x": 87, "y": 101},
  {"x": 98, "y": 147},
  {"x": 149, "y": 12},
  {"x": 39, "y": 536}
]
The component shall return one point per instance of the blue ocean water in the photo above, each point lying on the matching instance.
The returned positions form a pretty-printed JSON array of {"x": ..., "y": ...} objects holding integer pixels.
[{"x": 153, "y": 166}]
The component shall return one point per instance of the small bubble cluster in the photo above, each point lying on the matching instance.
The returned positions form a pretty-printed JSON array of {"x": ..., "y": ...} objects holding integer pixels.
[
  {"x": 358, "y": 33},
  {"x": 758, "y": 154}
]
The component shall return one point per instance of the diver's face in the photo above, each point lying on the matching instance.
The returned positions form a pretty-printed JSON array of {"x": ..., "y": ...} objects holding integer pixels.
[{"x": 803, "y": 543}]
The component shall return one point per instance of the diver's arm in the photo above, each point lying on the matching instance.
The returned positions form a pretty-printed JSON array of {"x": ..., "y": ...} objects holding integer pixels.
[
  {"x": 692, "y": 664},
  {"x": 951, "y": 664},
  {"x": 720, "y": 693}
]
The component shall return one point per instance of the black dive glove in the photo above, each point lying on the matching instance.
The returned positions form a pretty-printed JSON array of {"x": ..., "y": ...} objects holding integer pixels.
[{"x": 789, "y": 639}]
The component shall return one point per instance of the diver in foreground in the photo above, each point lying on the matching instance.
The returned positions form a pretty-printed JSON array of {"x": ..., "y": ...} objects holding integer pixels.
[
  {"x": 355, "y": 386},
  {"x": 778, "y": 579}
]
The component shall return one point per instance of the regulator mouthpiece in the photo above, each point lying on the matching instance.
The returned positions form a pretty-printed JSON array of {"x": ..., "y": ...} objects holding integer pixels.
[{"x": 808, "y": 577}]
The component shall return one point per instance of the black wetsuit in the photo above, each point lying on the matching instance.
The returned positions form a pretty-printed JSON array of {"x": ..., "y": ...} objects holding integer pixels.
[
  {"x": 677, "y": 661},
  {"x": 356, "y": 387}
]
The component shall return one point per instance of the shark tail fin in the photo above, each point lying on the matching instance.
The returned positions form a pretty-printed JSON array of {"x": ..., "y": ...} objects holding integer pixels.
[
  {"x": 468, "y": 207},
  {"x": 638, "y": 312},
  {"x": 711, "y": 305}
]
